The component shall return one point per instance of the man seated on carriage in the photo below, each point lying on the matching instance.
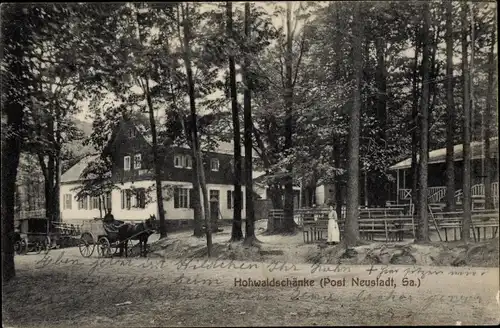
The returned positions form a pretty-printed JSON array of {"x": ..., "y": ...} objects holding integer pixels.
[{"x": 110, "y": 219}]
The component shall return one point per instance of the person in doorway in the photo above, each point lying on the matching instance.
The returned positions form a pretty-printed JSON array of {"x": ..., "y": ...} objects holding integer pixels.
[{"x": 333, "y": 227}]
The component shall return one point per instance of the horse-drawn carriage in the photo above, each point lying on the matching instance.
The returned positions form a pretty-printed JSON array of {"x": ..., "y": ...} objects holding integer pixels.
[
  {"x": 113, "y": 238},
  {"x": 32, "y": 235}
]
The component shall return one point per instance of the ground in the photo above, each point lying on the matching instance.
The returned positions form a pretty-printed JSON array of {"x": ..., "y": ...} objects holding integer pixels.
[{"x": 176, "y": 286}]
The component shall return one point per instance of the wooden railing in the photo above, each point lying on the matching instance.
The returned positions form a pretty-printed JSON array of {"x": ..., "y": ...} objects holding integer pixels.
[
  {"x": 404, "y": 193},
  {"x": 437, "y": 194}
]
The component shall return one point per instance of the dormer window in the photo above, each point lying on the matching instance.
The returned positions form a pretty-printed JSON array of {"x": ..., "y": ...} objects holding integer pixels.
[
  {"x": 137, "y": 161},
  {"x": 178, "y": 161},
  {"x": 214, "y": 164},
  {"x": 183, "y": 161},
  {"x": 126, "y": 163},
  {"x": 189, "y": 162}
]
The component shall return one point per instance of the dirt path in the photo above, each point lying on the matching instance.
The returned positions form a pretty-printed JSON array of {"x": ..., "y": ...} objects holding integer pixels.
[{"x": 62, "y": 289}]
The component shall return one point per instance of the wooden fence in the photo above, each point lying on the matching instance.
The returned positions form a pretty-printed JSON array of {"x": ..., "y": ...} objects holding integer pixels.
[{"x": 393, "y": 223}]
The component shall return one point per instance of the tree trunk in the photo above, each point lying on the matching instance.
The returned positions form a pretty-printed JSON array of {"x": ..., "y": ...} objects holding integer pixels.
[
  {"x": 423, "y": 224},
  {"x": 289, "y": 223},
  {"x": 15, "y": 46},
  {"x": 434, "y": 71},
  {"x": 100, "y": 208},
  {"x": 450, "y": 126},
  {"x": 248, "y": 141},
  {"x": 196, "y": 200},
  {"x": 415, "y": 128},
  {"x": 11, "y": 149},
  {"x": 488, "y": 117},
  {"x": 157, "y": 164},
  {"x": 57, "y": 188},
  {"x": 381, "y": 82},
  {"x": 351, "y": 224},
  {"x": 466, "y": 129},
  {"x": 194, "y": 127},
  {"x": 338, "y": 179},
  {"x": 236, "y": 233},
  {"x": 57, "y": 181}
]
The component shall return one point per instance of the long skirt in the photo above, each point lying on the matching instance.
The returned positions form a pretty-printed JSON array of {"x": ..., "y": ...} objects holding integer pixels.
[{"x": 333, "y": 231}]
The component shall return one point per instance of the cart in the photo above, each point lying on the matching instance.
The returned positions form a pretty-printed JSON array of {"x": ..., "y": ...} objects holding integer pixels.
[
  {"x": 32, "y": 235},
  {"x": 95, "y": 234}
]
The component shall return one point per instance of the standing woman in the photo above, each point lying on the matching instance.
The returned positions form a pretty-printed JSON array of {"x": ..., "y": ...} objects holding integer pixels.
[{"x": 333, "y": 227}]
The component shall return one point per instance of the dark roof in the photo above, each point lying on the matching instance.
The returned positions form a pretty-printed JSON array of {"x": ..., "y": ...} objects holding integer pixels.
[{"x": 439, "y": 155}]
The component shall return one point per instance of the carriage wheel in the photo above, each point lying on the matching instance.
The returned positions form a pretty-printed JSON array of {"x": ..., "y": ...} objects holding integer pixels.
[
  {"x": 103, "y": 247},
  {"x": 86, "y": 245}
]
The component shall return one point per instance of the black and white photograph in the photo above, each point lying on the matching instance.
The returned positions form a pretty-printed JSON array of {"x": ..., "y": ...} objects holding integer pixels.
[{"x": 253, "y": 163}]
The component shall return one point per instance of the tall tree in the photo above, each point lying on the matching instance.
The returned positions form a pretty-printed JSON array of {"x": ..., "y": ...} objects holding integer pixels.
[
  {"x": 466, "y": 127},
  {"x": 289, "y": 224},
  {"x": 144, "y": 82},
  {"x": 351, "y": 226},
  {"x": 487, "y": 121},
  {"x": 236, "y": 233},
  {"x": 423, "y": 224},
  {"x": 450, "y": 126},
  {"x": 248, "y": 140},
  {"x": 415, "y": 123},
  {"x": 186, "y": 44},
  {"x": 18, "y": 32}
]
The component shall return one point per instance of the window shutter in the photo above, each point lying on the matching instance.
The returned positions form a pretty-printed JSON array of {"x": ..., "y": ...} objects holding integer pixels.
[
  {"x": 229, "y": 200},
  {"x": 190, "y": 196},
  {"x": 128, "y": 195},
  {"x": 122, "y": 193},
  {"x": 176, "y": 197},
  {"x": 242, "y": 200}
]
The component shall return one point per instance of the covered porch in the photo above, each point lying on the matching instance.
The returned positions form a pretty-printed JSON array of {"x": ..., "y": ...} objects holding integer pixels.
[{"x": 437, "y": 174}]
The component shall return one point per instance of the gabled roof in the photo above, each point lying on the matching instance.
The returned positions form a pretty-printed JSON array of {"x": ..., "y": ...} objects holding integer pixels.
[
  {"x": 74, "y": 172},
  {"x": 439, "y": 155}
]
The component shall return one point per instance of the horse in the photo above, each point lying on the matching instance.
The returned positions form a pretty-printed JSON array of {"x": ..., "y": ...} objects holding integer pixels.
[{"x": 139, "y": 231}]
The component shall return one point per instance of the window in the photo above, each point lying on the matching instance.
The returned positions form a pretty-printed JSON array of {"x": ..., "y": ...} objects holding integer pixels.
[
  {"x": 133, "y": 198},
  {"x": 67, "y": 201},
  {"x": 230, "y": 199},
  {"x": 94, "y": 203},
  {"x": 108, "y": 200},
  {"x": 126, "y": 163},
  {"x": 131, "y": 132},
  {"x": 181, "y": 198},
  {"x": 189, "y": 162},
  {"x": 183, "y": 161},
  {"x": 137, "y": 161},
  {"x": 178, "y": 161},
  {"x": 126, "y": 199},
  {"x": 83, "y": 203},
  {"x": 140, "y": 198},
  {"x": 214, "y": 164}
]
